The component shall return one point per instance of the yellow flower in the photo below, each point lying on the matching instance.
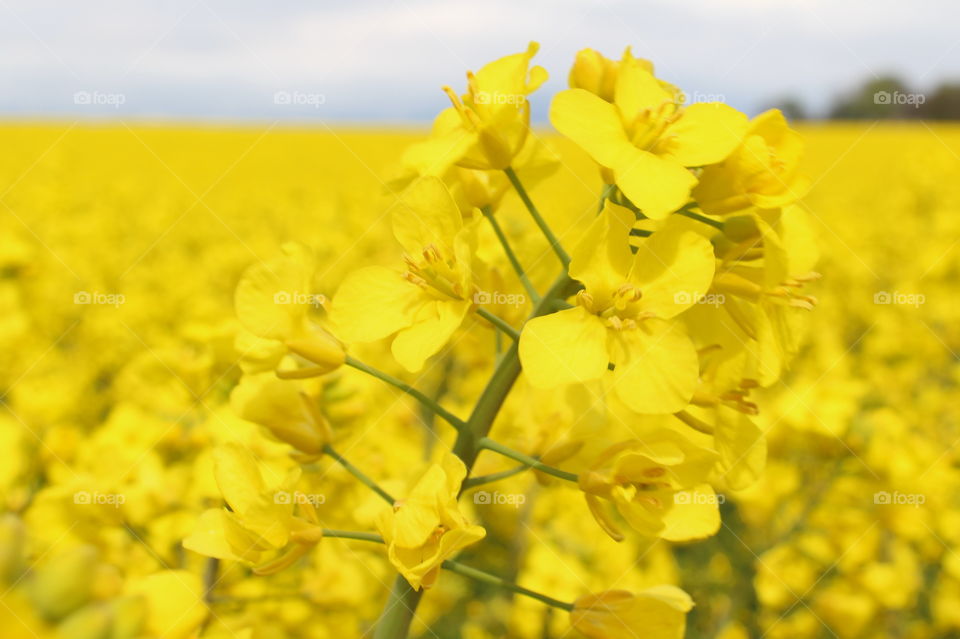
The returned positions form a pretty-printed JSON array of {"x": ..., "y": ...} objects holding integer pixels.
[
  {"x": 646, "y": 138},
  {"x": 489, "y": 125},
  {"x": 760, "y": 280},
  {"x": 594, "y": 72},
  {"x": 658, "y": 612},
  {"x": 624, "y": 315},
  {"x": 273, "y": 302},
  {"x": 260, "y": 519},
  {"x": 427, "y": 528},
  {"x": 286, "y": 408},
  {"x": 763, "y": 171},
  {"x": 657, "y": 485},
  {"x": 425, "y": 305}
]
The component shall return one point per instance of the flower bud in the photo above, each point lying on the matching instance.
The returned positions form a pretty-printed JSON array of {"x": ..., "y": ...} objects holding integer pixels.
[{"x": 595, "y": 73}]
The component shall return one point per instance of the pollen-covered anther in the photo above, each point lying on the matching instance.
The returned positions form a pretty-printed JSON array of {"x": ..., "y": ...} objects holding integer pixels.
[
  {"x": 470, "y": 119},
  {"x": 585, "y": 300},
  {"x": 415, "y": 279},
  {"x": 432, "y": 254},
  {"x": 737, "y": 399},
  {"x": 628, "y": 293}
]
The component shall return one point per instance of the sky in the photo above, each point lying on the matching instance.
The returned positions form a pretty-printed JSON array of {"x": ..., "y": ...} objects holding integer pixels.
[{"x": 384, "y": 61}]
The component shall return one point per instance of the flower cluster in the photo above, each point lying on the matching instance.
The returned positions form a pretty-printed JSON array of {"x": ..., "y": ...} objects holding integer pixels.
[{"x": 697, "y": 205}]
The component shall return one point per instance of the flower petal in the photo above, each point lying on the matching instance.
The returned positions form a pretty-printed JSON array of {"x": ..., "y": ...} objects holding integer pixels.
[
  {"x": 706, "y": 133},
  {"x": 657, "y": 185},
  {"x": 592, "y": 123},
  {"x": 562, "y": 348},
  {"x": 431, "y": 330},
  {"x": 656, "y": 367}
]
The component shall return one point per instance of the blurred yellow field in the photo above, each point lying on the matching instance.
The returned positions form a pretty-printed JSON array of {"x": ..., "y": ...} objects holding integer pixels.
[{"x": 121, "y": 248}]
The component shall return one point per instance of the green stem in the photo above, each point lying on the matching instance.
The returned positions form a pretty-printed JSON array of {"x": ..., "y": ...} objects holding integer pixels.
[
  {"x": 514, "y": 261},
  {"x": 452, "y": 419},
  {"x": 395, "y": 619},
  {"x": 394, "y": 622},
  {"x": 356, "y": 472},
  {"x": 493, "y": 580},
  {"x": 499, "y": 322},
  {"x": 351, "y": 534},
  {"x": 700, "y": 218},
  {"x": 480, "y": 480},
  {"x": 607, "y": 193},
  {"x": 544, "y": 228},
  {"x": 531, "y": 462}
]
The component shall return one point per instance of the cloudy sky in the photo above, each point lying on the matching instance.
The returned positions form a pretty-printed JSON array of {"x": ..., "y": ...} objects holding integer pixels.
[{"x": 384, "y": 60}]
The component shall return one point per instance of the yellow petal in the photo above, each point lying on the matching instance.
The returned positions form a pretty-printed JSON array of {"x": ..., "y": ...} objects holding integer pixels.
[
  {"x": 638, "y": 89},
  {"x": 592, "y": 123},
  {"x": 656, "y": 185},
  {"x": 434, "y": 325},
  {"x": 706, "y": 133},
  {"x": 238, "y": 477},
  {"x": 658, "y": 612},
  {"x": 564, "y": 347},
  {"x": 208, "y": 537},
  {"x": 656, "y": 367},
  {"x": 272, "y": 297},
  {"x": 426, "y": 215},
  {"x": 742, "y": 448},
  {"x": 673, "y": 268},
  {"x": 372, "y": 303},
  {"x": 695, "y": 514},
  {"x": 602, "y": 258}
]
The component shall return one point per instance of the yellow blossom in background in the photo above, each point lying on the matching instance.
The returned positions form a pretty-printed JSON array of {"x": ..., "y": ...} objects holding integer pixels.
[{"x": 426, "y": 527}]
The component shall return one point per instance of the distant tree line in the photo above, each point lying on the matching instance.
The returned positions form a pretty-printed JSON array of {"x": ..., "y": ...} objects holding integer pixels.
[{"x": 886, "y": 98}]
